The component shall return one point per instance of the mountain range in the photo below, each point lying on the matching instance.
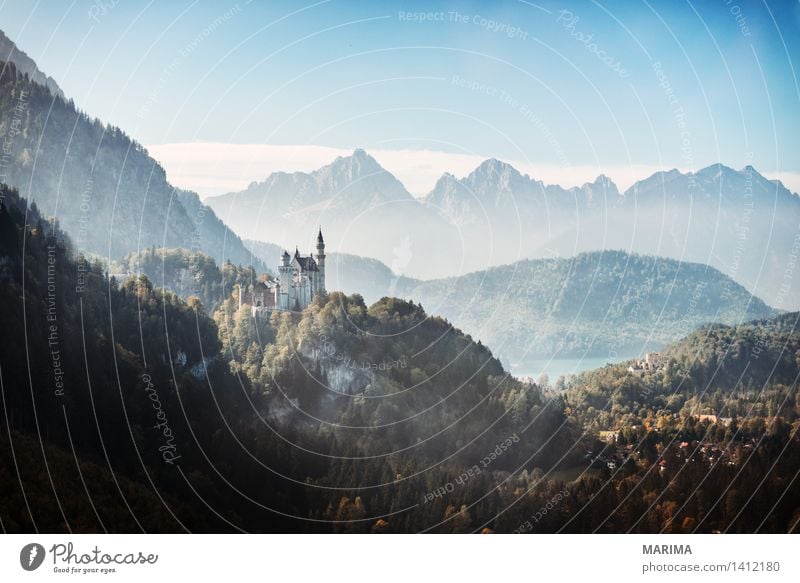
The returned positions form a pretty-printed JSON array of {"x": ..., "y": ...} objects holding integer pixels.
[
  {"x": 360, "y": 206},
  {"x": 738, "y": 221}
]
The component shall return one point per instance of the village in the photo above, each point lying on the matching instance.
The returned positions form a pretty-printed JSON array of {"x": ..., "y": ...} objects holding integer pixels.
[{"x": 616, "y": 453}]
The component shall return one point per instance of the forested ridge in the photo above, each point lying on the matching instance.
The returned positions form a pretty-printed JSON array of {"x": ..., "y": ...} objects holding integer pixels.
[
  {"x": 108, "y": 193},
  {"x": 187, "y": 273},
  {"x": 591, "y": 304}
]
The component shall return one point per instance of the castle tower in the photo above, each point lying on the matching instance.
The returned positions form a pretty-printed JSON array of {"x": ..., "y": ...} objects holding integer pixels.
[
  {"x": 284, "y": 282},
  {"x": 321, "y": 261}
]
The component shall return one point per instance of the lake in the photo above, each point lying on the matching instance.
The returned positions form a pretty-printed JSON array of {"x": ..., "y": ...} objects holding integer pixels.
[{"x": 555, "y": 367}]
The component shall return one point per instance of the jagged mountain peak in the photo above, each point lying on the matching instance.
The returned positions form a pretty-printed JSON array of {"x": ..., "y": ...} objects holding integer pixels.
[
  {"x": 715, "y": 171},
  {"x": 446, "y": 180},
  {"x": 357, "y": 164},
  {"x": 494, "y": 168},
  {"x": 602, "y": 188},
  {"x": 601, "y": 181},
  {"x": 657, "y": 180},
  {"x": 357, "y": 178},
  {"x": 342, "y": 172}
]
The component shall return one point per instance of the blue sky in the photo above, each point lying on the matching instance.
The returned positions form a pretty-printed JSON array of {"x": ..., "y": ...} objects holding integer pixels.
[{"x": 556, "y": 86}]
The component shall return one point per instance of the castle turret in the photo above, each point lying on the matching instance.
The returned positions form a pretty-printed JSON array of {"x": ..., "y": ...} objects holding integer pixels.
[
  {"x": 321, "y": 261},
  {"x": 284, "y": 282}
]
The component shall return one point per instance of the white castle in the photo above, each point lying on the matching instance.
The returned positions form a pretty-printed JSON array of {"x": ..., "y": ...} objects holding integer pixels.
[{"x": 300, "y": 279}]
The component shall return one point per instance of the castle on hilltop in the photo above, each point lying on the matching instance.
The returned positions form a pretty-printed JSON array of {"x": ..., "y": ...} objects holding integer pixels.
[
  {"x": 653, "y": 362},
  {"x": 300, "y": 279}
]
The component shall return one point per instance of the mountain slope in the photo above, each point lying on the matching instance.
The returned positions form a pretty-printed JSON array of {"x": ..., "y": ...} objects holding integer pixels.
[
  {"x": 103, "y": 188},
  {"x": 730, "y": 371},
  {"x": 186, "y": 273},
  {"x": 346, "y": 418},
  {"x": 592, "y": 304},
  {"x": 496, "y": 194},
  {"x": 9, "y": 52},
  {"x": 712, "y": 433}
]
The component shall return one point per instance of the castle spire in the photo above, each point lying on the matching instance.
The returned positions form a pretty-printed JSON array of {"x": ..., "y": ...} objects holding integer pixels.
[{"x": 321, "y": 260}]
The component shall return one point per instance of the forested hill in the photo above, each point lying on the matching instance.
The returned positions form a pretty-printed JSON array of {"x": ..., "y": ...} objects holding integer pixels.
[
  {"x": 116, "y": 376},
  {"x": 108, "y": 194},
  {"x": 407, "y": 377},
  {"x": 187, "y": 273},
  {"x": 730, "y": 371},
  {"x": 591, "y": 304},
  {"x": 708, "y": 442}
]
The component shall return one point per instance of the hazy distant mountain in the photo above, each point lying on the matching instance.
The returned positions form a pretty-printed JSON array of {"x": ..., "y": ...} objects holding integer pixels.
[
  {"x": 10, "y": 53},
  {"x": 268, "y": 253},
  {"x": 107, "y": 193},
  {"x": 743, "y": 224},
  {"x": 362, "y": 209},
  {"x": 496, "y": 191},
  {"x": 737, "y": 221},
  {"x": 504, "y": 216},
  {"x": 594, "y": 304},
  {"x": 337, "y": 191}
]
